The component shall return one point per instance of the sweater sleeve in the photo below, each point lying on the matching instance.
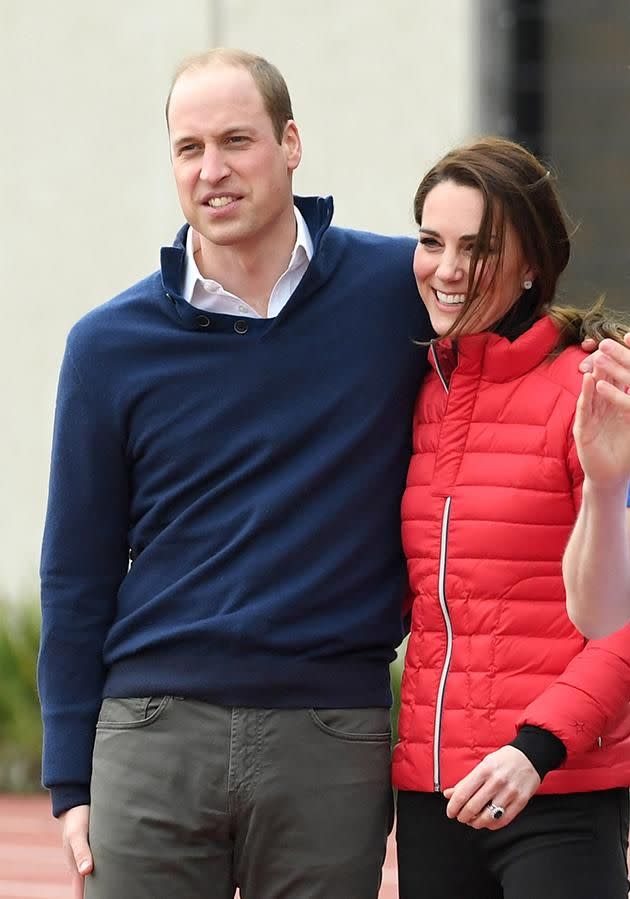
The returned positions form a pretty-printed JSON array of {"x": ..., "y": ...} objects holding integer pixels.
[
  {"x": 588, "y": 697},
  {"x": 84, "y": 559}
]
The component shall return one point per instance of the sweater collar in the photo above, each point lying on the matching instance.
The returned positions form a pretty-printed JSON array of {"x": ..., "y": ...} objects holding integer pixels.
[
  {"x": 498, "y": 358},
  {"x": 317, "y": 213}
]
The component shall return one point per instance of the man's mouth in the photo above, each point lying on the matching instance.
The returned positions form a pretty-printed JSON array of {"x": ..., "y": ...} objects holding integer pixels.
[{"x": 218, "y": 202}]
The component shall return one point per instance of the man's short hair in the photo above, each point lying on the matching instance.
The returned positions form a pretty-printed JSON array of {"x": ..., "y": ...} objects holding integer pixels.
[{"x": 270, "y": 83}]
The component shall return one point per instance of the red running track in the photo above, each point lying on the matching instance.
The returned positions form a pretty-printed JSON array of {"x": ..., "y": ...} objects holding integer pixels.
[{"x": 31, "y": 865}]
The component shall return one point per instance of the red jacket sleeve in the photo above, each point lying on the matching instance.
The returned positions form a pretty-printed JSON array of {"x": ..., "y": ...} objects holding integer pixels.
[
  {"x": 594, "y": 689},
  {"x": 589, "y": 696}
]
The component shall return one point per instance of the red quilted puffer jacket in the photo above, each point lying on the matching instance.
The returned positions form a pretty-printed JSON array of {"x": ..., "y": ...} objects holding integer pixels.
[{"x": 492, "y": 494}]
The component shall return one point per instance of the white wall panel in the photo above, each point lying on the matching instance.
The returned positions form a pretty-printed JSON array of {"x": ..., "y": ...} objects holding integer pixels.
[
  {"x": 86, "y": 199},
  {"x": 379, "y": 89}
]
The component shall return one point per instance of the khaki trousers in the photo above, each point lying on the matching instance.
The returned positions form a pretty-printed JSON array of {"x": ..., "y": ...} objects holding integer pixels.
[{"x": 192, "y": 800}]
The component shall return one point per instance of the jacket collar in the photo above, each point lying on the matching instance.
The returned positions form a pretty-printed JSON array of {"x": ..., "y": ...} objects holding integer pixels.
[{"x": 498, "y": 358}]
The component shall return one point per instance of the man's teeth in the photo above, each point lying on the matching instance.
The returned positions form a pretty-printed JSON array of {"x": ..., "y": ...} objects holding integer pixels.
[
  {"x": 451, "y": 299},
  {"x": 219, "y": 201}
]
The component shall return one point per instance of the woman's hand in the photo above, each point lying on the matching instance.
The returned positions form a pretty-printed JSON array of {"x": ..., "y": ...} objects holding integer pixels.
[{"x": 505, "y": 778}]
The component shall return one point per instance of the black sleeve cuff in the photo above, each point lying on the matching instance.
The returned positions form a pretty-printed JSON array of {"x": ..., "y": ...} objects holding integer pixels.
[{"x": 543, "y": 749}]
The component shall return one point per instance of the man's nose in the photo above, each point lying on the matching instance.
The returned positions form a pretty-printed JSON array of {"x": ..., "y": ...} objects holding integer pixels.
[{"x": 213, "y": 165}]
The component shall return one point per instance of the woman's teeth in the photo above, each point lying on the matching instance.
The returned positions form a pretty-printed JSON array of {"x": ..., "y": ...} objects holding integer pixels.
[{"x": 451, "y": 299}]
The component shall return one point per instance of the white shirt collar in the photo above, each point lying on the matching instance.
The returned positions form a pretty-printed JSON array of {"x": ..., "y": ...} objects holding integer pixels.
[{"x": 301, "y": 255}]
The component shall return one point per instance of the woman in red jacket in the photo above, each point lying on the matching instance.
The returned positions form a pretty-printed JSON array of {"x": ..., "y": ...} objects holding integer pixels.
[{"x": 514, "y": 755}]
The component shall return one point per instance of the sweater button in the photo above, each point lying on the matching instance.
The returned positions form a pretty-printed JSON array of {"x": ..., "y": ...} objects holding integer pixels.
[
  {"x": 203, "y": 321},
  {"x": 241, "y": 327}
]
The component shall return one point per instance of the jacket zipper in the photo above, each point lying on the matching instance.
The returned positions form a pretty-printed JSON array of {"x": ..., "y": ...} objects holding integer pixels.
[
  {"x": 439, "y": 706},
  {"x": 438, "y": 369}
]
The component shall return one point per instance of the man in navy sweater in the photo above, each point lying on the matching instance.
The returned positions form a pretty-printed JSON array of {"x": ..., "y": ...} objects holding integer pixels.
[{"x": 222, "y": 573}]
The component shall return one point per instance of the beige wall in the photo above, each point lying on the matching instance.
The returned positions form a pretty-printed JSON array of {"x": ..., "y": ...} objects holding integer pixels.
[{"x": 379, "y": 90}]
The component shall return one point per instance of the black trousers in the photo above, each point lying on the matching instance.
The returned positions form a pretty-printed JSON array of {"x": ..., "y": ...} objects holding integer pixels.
[{"x": 560, "y": 847}]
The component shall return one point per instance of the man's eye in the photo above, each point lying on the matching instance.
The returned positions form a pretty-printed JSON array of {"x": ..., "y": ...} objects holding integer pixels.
[{"x": 236, "y": 139}]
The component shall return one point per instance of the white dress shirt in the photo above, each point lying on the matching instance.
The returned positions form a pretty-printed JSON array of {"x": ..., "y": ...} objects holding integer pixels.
[{"x": 209, "y": 295}]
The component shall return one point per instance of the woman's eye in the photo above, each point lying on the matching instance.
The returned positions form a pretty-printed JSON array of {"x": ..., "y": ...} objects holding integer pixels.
[
  {"x": 488, "y": 249},
  {"x": 429, "y": 242}
]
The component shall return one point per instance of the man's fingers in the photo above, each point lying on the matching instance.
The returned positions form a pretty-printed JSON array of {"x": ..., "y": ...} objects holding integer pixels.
[
  {"x": 77, "y": 885},
  {"x": 81, "y": 854},
  {"x": 589, "y": 346},
  {"x": 75, "y": 824},
  {"x": 608, "y": 349}
]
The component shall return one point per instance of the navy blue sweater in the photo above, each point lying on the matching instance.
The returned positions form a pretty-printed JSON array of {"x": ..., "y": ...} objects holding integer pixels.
[{"x": 223, "y": 517}]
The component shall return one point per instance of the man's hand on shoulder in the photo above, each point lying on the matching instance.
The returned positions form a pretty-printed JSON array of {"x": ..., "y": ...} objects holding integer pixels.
[
  {"x": 589, "y": 345},
  {"x": 74, "y": 825},
  {"x": 608, "y": 361}
]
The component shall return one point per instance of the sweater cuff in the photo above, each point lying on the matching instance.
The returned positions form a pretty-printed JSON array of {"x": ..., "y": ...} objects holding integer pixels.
[
  {"x": 543, "y": 749},
  {"x": 65, "y": 796}
]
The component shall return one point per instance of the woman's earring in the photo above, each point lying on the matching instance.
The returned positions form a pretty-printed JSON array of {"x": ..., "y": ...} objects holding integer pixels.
[{"x": 527, "y": 284}]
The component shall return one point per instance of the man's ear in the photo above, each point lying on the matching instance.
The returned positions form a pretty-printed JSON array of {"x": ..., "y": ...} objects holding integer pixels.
[{"x": 292, "y": 145}]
